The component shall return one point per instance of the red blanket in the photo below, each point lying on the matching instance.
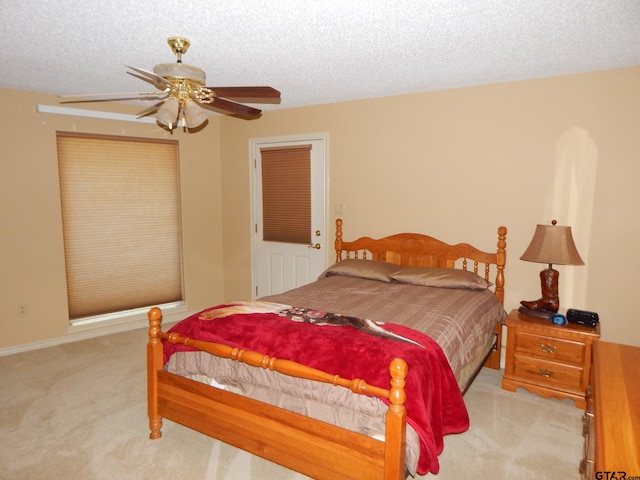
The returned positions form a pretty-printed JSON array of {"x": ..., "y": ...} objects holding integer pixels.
[{"x": 434, "y": 402}]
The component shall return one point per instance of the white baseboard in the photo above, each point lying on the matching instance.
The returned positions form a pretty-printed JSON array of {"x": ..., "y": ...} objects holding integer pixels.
[{"x": 84, "y": 332}]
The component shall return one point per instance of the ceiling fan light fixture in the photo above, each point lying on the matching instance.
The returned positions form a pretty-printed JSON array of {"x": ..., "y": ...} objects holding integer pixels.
[
  {"x": 194, "y": 114},
  {"x": 168, "y": 113}
]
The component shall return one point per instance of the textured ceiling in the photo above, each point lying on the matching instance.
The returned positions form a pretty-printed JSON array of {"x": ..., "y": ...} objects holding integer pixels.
[{"x": 313, "y": 51}]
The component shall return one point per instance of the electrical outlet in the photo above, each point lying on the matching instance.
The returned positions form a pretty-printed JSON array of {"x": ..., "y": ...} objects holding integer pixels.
[{"x": 23, "y": 310}]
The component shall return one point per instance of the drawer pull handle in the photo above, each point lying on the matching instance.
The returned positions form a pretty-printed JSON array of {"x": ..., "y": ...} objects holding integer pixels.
[
  {"x": 545, "y": 373},
  {"x": 545, "y": 347}
]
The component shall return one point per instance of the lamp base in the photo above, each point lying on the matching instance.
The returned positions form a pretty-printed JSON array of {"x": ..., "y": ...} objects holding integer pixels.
[
  {"x": 549, "y": 303},
  {"x": 536, "y": 313}
]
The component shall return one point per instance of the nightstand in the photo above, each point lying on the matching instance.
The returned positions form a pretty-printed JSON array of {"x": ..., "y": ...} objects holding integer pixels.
[{"x": 547, "y": 359}]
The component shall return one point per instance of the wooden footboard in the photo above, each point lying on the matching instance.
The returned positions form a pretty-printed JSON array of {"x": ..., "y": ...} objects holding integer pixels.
[{"x": 300, "y": 443}]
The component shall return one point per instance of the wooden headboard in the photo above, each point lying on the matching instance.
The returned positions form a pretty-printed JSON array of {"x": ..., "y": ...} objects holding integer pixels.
[{"x": 417, "y": 250}]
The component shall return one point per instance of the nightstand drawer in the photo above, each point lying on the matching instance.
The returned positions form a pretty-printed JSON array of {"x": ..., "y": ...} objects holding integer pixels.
[
  {"x": 552, "y": 374},
  {"x": 556, "y": 349}
]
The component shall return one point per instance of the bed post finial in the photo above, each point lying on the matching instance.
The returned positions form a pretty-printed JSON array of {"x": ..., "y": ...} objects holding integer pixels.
[
  {"x": 155, "y": 319},
  {"x": 398, "y": 369},
  {"x": 338, "y": 242},
  {"x": 501, "y": 260}
]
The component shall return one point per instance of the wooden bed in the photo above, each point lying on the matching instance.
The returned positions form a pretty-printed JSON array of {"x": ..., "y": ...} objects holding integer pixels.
[{"x": 312, "y": 447}]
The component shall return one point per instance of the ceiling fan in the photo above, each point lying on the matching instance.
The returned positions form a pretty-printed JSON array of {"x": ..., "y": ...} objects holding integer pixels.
[{"x": 183, "y": 94}]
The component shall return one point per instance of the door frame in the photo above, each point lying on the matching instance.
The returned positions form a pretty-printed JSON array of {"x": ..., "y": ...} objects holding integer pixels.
[{"x": 304, "y": 137}]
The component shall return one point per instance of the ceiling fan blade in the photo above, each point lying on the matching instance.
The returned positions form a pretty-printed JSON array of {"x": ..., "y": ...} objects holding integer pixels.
[
  {"x": 248, "y": 94},
  {"x": 156, "y": 78},
  {"x": 151, "y": 109},
  {"x": 104, "y": 97},
  {"x": 158, "y": 85},
  {"x": 228, "y": 106}
]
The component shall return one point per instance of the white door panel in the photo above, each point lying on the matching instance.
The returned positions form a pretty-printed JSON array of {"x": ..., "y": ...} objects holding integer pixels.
[
  {"x": 281, "y": 266},
  {"x": 282, "y": 271}
]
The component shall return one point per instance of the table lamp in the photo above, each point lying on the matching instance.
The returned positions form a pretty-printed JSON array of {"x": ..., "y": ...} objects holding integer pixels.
[{"x": 550, "y": 244}]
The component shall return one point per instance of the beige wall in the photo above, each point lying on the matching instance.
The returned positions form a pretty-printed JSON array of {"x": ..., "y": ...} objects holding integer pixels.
[
  {"x": 32, "y": 253},
  {"x": 455, "y": 164}
]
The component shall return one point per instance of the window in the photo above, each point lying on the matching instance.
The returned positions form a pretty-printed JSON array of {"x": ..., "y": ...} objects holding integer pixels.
[
  {"x": 286, "y": 194},
  {"x": 121, "y": 221}
]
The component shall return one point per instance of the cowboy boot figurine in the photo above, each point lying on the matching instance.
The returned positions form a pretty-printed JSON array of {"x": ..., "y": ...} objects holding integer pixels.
[{"x": 550, "y": 301}]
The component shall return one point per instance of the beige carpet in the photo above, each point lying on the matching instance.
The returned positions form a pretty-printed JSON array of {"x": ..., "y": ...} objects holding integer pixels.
[{"x": 78, "y": 411}]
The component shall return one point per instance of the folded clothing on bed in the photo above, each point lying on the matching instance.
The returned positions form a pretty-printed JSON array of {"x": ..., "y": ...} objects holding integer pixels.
[{"x": 434, "y": 402}]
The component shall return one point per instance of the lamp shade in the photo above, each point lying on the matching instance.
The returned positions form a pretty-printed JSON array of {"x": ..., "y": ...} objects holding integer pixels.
[
  {"x": 194, "y": 114},
  {"x": 168, "y": 113},
  {"x": 552, "y": 244}
]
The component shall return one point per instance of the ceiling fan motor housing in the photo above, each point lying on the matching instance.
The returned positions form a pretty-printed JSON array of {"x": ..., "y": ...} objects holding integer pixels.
[{"x": 180, "y": 71}]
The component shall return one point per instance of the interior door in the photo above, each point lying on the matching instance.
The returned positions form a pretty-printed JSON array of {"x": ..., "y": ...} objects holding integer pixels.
[{"x": 289, "y": 213}]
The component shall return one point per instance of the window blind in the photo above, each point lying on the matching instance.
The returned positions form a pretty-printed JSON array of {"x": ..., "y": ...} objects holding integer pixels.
[
  {"x": 286, "y": 194},
  {"x": 121, "y": 222}
]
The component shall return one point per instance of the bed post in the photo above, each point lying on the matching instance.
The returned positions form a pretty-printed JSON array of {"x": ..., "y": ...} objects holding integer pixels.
[
  {"x": 154, "y": 363},
  {"x": 493, "y": 361},
  {"x": 338, "y": 242},
  {"x": 501, "y": 260},
  {"x": 396, "y": 423}
]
